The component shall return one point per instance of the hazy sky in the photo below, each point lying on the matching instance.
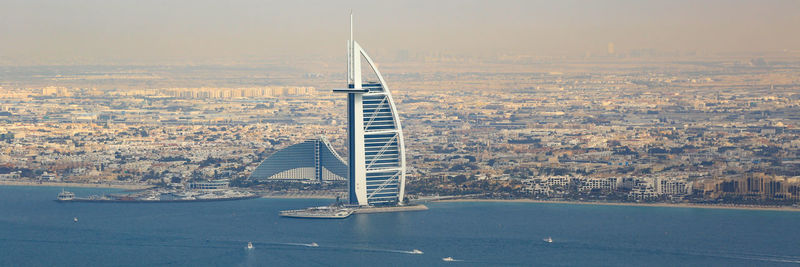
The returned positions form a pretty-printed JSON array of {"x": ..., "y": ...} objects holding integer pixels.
[{"x": 143, "y": 31}]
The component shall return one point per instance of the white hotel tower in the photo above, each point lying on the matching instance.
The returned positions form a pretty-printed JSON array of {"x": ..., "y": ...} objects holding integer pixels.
[{"x": 376, "y": 162}]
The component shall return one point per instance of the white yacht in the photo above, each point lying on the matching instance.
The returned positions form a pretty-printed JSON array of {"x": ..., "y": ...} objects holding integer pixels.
[
  {"x": 416, "y": 251},
  {"x": 313, "y": 244},
  {"x": 448, "y": 259},
  {"x": 325, "y": 212},
  {"x": 66, "y": 196},
  {"x": 548, "y": 240},
  {"x": 249, "y": 245}
]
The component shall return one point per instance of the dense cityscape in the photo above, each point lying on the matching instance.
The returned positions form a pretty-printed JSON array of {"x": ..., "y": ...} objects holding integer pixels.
[{"x": 618, "y": 127}]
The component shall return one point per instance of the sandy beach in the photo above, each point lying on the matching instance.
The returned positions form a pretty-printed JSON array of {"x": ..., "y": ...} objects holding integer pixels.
[
  {"x": 666, "y": 205},
  {"x": 84, "y": 185}
]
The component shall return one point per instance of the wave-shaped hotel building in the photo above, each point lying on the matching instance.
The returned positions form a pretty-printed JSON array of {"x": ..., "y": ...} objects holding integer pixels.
[{"x": 376, "y": 159}]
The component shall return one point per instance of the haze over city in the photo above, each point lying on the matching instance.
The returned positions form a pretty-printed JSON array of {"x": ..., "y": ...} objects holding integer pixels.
[{"x": 197, "y": 32}]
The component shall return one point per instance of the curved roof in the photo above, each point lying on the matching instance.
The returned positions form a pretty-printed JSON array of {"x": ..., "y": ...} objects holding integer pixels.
[{"x": 312, "y": 160}]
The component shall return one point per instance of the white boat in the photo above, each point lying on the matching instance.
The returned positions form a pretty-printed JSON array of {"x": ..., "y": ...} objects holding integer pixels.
[
  {"x": 66, "y": 196},
  {"x": 448, "y": 259},
  {"x": 249, "y": 245},
  {"x": 416, "y": 251},
  {"x": 75, "y": 219},
  {"x": 548, "y": 240},
  {"x": 313, "y": 244},
  {"x": 325, "y": 212}
]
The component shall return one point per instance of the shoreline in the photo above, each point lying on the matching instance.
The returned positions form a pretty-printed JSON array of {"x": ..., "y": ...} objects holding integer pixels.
[
  {"x": 663, "y": 205},
  {"x": 300, "y": 196},
  {"x": 81, "y": 185},
  {"x": 327, "y": 196},
  {"x": 415, "y": 207}
]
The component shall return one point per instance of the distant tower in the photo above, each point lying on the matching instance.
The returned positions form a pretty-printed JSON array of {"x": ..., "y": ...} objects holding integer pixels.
[
  {"x": 611, "y": 48},
  {"x": 376, "y": 162}
]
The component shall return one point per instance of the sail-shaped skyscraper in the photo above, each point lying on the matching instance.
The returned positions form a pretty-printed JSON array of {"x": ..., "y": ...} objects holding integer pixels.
[{"x": 376, "y": 160}]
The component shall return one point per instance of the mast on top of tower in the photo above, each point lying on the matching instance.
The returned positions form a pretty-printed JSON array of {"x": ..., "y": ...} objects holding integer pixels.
[{"x": 351, "y": 25}]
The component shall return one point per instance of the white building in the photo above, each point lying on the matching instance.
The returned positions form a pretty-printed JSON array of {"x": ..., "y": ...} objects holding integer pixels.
[
  {"x": 674, "y": 187},
  {"x": 377, "y": 161},
  {"x": 605, "y": 184}
]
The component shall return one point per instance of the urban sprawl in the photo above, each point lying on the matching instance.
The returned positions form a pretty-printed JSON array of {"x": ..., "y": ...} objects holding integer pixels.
[{"x": 619, "y": 127}]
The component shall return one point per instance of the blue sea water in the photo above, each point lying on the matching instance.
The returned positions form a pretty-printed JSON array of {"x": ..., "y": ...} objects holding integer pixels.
[{"x": 37, "y": 231}]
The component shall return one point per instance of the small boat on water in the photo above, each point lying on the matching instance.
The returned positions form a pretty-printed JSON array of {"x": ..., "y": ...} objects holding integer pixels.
[
  {"x": 448, "y": 259},
  {"x": 75, "y": 219},
  {"x": 249, "y": 245},
  {"x": 416, "y": 251},
  {"x": 548, "y": 240},
  {"x": 313, "y": 244},
  {"x": 66, "y": 196}
]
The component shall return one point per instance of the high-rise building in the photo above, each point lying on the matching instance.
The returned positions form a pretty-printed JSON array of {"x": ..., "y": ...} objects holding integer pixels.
[{"x": 376, "y": 161}]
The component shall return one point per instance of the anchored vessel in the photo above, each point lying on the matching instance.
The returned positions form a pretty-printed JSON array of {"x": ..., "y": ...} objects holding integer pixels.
[
  {"x": 325, "y": 212},
  {"x": 344, "y": 211},
  {"x": 65, "y": 196}
]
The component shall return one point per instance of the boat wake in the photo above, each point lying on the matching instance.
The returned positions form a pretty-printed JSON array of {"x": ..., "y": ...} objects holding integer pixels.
[
  {"x": 379, "y": 250},
  {"x": 314, "y": 245},
  {"x": 384, "y": 250},
  {"x": 413, "y": 251},
  {"x": 450, "y": 259},
  {"x": 311, "y": 245}
]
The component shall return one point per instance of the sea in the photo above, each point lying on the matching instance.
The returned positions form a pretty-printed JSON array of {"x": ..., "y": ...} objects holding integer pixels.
[{"x": 37, "y": 231}]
